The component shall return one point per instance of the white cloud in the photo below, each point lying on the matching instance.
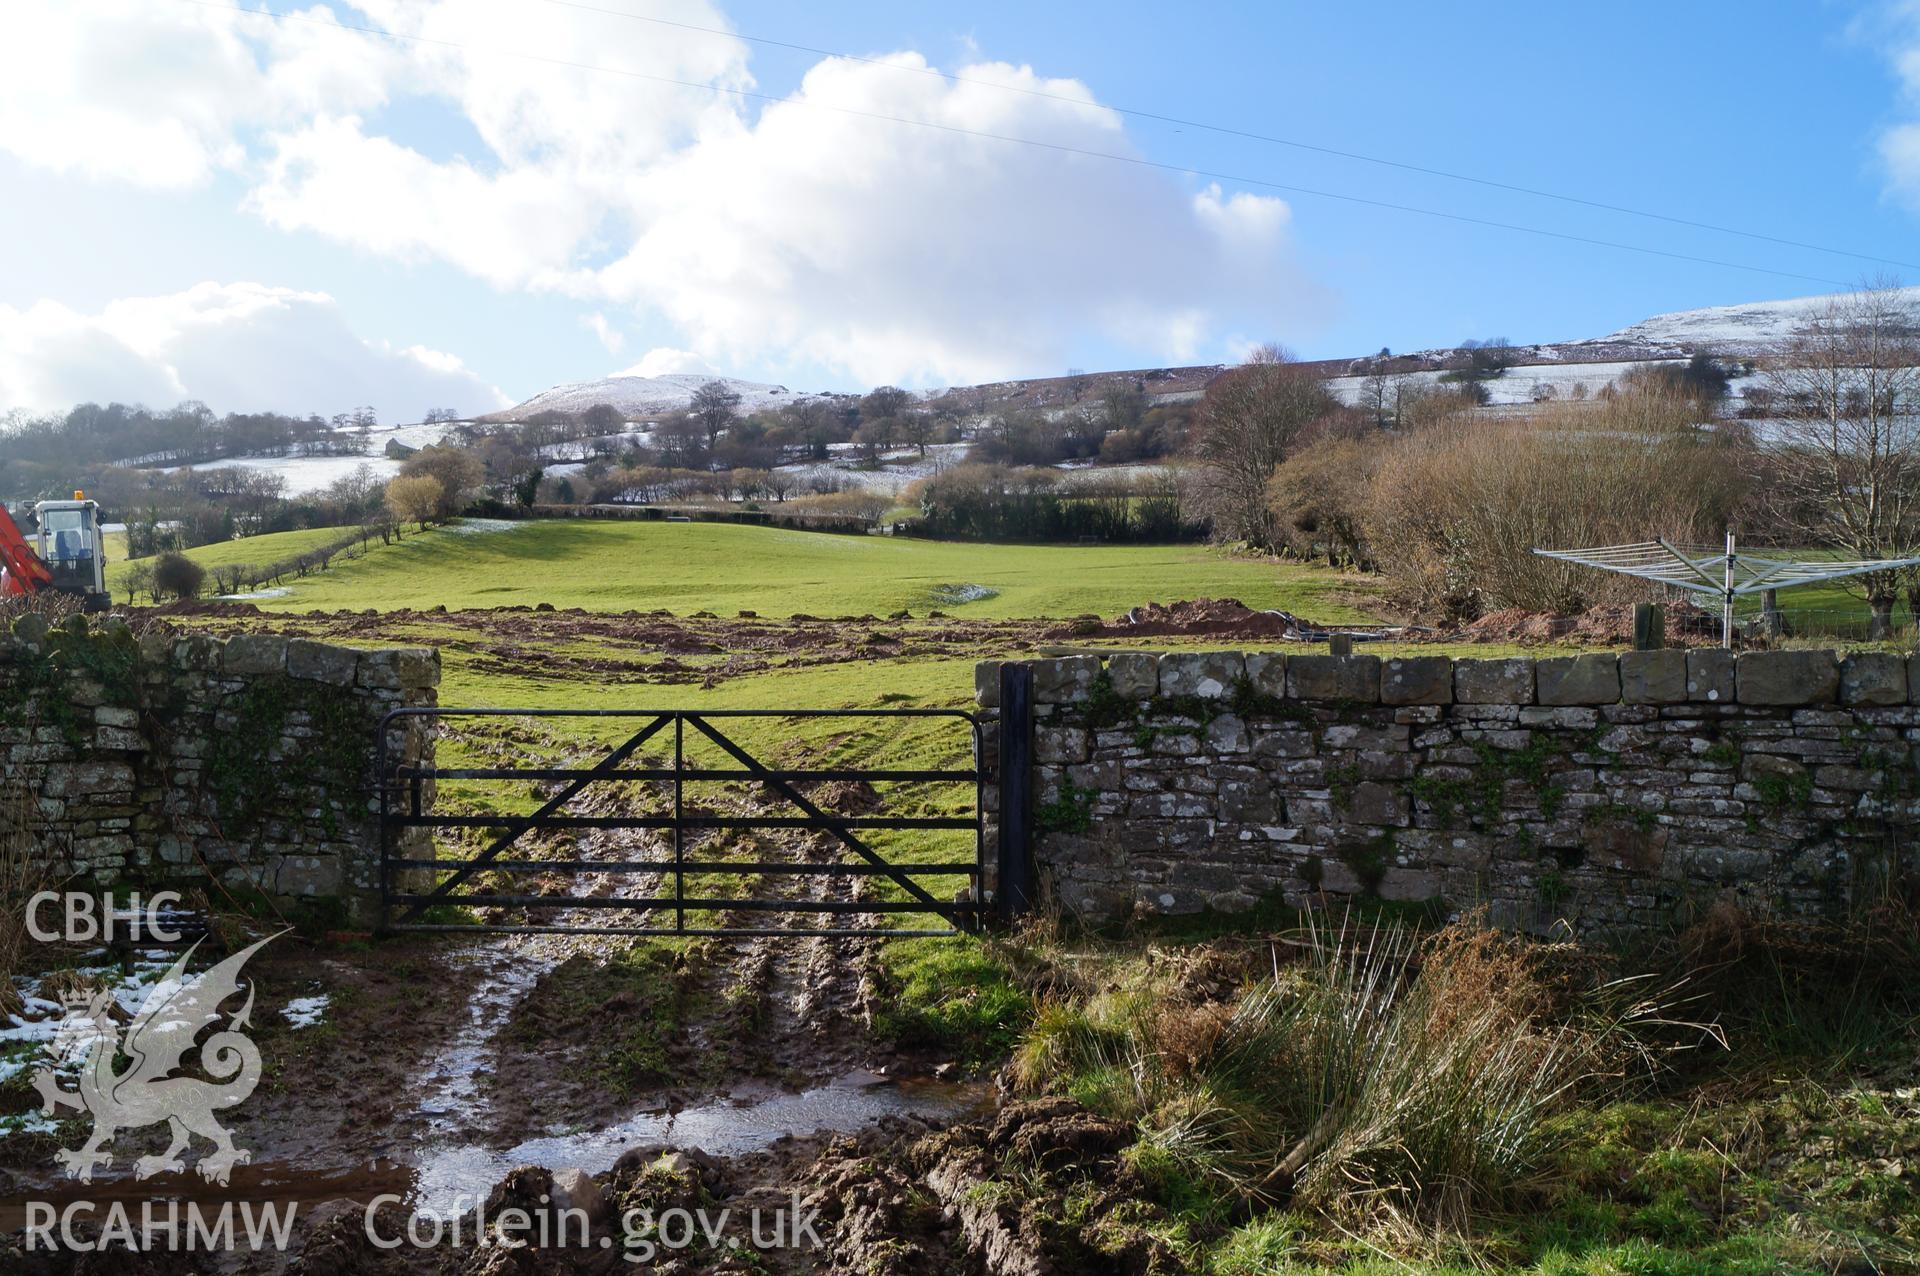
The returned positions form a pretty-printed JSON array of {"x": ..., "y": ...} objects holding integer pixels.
[
  {"x": 805, "y": 233},
  {"x": 1899, "y": 145},
  {"x": 159, "y": 94},
  {"x": 236, "y": 347},
  {"x": 900, "y": 253},
  {"x": 663, "y": 360},
  {"x": 610, "y": 337}
]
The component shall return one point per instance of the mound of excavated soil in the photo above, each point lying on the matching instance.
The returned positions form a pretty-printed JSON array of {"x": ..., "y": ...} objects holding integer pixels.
[
  {"x": 1220, "y": 617},
  {"x": 653, "y": 647}
]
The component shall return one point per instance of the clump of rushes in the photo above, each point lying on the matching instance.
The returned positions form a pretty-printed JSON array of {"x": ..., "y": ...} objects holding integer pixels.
[{"x": 1386, "y": 1075}]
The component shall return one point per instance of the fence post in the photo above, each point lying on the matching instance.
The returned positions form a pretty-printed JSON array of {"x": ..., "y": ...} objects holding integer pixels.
[
  {"x": 1649, "y": 626},
  {"x": 1015, "y": 893},
  {"x": 1340, "y": 644}
]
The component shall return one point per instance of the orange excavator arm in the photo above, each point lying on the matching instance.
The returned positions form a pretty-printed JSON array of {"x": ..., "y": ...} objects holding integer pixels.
[{"x": 24, "y": 572}]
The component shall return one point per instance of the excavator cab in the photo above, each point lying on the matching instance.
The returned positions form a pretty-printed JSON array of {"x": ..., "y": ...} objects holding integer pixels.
[{"x": 71, "y": 546}]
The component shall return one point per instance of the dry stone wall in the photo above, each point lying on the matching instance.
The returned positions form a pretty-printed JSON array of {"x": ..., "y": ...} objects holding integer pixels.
[
  {"x": 1612, "y": 793},
  {"x": 169, "y": 760}
]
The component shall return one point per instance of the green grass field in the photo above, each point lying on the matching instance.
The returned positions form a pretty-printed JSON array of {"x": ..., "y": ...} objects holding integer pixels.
[
  {"x": 686, "y": 567},
  {"x": 251, "y": 549}
]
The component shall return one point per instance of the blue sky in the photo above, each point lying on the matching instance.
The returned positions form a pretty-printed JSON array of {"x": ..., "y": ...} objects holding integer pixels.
[{"x": 260, "y": 214}]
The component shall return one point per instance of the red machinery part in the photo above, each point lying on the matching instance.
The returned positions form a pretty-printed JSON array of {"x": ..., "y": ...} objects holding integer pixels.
[{"x": 24, "y": 572}]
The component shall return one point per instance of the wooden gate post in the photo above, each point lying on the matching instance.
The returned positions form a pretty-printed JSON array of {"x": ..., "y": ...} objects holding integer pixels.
[{"x": 1014, "y": 894}]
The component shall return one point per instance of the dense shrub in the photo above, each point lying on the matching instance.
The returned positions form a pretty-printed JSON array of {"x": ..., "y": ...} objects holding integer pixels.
[
  {"x": 177, "y": 576},
  {"x": 1456, "y": 510}
]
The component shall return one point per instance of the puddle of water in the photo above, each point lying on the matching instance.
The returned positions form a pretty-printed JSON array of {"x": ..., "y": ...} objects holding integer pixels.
[
  {"x": 451, "y": 1167},
  {"x": 452, "y": 1081},
  {"x": 450, "y": 1172}
]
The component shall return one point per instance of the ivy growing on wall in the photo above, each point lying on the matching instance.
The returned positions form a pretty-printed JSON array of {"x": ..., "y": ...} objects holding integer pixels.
[
  {"x": 255, "y": 772},
  {"x": 72, "y": 654}
]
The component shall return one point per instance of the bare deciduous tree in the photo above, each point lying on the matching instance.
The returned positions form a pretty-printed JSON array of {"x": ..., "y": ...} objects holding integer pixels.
[
  {"x": 1248, "y": 424},
  {"x": 1845, "y": 391},
  {"x": 713, "y": 407}
]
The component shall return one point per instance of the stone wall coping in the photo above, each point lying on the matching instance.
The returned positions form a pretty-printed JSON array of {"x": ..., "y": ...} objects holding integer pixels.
[{"x": 1704, "y": 676}]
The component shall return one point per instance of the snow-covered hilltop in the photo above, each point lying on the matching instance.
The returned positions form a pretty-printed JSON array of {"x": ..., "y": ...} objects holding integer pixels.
[
  {"x": 640, "y": 397},
  {"x": 1750, "y": 329}
]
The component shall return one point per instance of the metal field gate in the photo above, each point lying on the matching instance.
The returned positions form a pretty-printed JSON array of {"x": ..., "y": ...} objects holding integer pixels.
[{"x": 677, "y": 784}]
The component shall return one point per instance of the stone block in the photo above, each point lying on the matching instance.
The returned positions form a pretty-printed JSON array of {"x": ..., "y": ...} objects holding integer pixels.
[
  {"x": 1371, "y": 802},
  {"x": 1653, "y": 677},
  {"x": 1409, "y": 884},
  {"x": 1873, "y": 678},
  {"x": 1267, "y": 671},
  {"x": 322, "y": 662},
  {"x": 419, "y": 667},
  {"x": 1493, "y": 681},
  {"x": 1208, "y": 674},
  {"x": 1710, "y": 675},
  {"x": 986, "y": 683},
  {"x": 1060, "y": 745},
  {"x": 1787, "y": 677},
  {"x": 1065, "y": 679},
  {"x": 307, "y": 875},
  {"x": 87, "y": 779},
  {"x": 1579, "y": 680},
  {"x": 1355, "y": 678},
  {"x": 1417, "y": 680},
  {"x": 253, "y": 655},
  {"x": 1227, "y": 734},
  {"x": 1134, "y": 675},
  {"x": 199, "y": 652}
]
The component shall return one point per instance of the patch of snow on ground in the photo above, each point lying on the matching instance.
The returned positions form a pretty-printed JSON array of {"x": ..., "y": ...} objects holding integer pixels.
[
  {"x": 306, "y": 474},
  {"x": 39, "y": 1016},
  {"x": 280, "y": 591},
  {"x": 955, "y": 594},
  {"x": 305, "y": 1012},
  {"x": 1518, "y": 385},
  {"x": 897, "y": 471},
  {"x": 481, "y": 526}
]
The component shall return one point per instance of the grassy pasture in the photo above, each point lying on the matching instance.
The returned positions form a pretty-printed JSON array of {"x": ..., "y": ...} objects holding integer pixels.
[
  {"x": 685, "y": 567},
  {"x": 252, "y": 549}
]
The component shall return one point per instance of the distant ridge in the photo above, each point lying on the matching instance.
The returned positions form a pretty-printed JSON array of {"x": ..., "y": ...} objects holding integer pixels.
[
  {"x": 1745, "y": 331},
  {"x": 645, "y": 396}
]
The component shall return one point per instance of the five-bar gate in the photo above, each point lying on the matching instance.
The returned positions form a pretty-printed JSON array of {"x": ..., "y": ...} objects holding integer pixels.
[{"x": 656, "y": 753}]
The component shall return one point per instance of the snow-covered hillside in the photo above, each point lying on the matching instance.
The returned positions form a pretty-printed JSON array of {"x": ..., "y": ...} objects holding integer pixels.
[
  {"x": 1752, "y": 329},
  {"x": 307, "y": 474},
  {"x": 640, "y": 397},
  {"x": 1522, "y": 383},
  {"x": 1743, "y": 333}
]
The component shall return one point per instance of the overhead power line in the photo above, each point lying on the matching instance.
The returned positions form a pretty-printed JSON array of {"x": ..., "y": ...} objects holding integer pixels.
[
  {"x": 1245, "y": 134},
  {"x": 1057, "y": 147}
]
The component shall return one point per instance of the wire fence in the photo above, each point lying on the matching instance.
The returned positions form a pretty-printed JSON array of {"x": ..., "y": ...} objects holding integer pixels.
[{"x": 1853, "y": 624}]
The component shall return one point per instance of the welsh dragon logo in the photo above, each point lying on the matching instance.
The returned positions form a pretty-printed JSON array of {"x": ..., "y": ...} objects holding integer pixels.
[{"x": 176, "y": 1010}]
